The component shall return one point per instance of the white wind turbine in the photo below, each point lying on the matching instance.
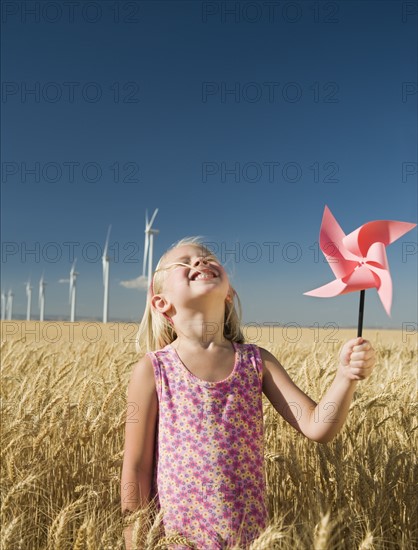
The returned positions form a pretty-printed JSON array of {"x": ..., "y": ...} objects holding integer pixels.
[
  {"x": 9, "y": 305},
  {"x": 105, "y": 266},
  {"x": 73, "y": 277},
  {"x": 149, "y": 245},
  {"x": 41, "y": 298},
  {"x": 144, "y": 280},
  {"x": 3, "y": 306},
  {"x": 29, "y": 300}
]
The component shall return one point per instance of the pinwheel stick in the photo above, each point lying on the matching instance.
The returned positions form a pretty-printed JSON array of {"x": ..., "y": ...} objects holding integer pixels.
[{"x": 360, "y": 313}]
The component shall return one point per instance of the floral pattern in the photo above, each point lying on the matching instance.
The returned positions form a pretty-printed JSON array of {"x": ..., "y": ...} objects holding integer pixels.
[{"x": 209, "y": 451}]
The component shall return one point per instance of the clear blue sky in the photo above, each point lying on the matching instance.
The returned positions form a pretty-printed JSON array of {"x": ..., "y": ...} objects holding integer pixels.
[{"x": 314, "y": 103}]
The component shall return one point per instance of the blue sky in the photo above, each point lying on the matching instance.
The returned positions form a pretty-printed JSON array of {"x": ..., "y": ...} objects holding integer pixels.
[{"x": 239, "y": 126}]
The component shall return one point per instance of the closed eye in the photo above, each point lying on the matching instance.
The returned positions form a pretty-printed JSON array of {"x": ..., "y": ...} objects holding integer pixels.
[
  {"x": 180, "y": 263},
  {"x": 187, "y": 262},
  {"x": 172, "y": 266}
]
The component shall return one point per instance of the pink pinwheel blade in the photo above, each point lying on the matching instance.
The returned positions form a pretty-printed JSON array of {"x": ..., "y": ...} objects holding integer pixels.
[
  {"x": 359, "y": 259},
  {"x": 331, "y": 242},
  {"x": 383, "y": 231}
]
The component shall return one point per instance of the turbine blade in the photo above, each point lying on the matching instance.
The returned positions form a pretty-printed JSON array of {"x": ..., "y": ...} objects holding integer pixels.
[
  {"x": 72, "y": 281},
  {"x": 153, "y": 218},
  {"x": 107, "y": 242},
  {"x": 146, "y": 247}
]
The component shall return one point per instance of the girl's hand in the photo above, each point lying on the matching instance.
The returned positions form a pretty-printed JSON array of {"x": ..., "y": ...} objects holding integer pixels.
[{"x": 357, "y": 359}]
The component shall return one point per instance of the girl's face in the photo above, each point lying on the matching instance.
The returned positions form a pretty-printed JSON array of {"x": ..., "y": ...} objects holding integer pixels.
[{"x": 190, "y": 272}]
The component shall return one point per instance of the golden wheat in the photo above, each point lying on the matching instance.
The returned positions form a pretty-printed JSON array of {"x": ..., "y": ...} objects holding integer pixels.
[
  {"x": 63, "y": 411},
  {"x": 9, "y": 537}
]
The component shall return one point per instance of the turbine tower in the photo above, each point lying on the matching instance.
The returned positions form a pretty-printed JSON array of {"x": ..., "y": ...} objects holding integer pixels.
[
  {"x": 105, "y": 265},
  {"x": 149, "y": 245},
  {"x": 73, "y": 277},
  {"x": 3, "y": 306},
  {"x": 9, "y": 305},
  {"x": 29, "y": 302},
  {"x": 41, "y": 298}
]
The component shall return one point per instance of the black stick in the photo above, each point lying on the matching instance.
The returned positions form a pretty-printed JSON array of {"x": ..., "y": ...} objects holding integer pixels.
[{"x": 360, "y": 313}]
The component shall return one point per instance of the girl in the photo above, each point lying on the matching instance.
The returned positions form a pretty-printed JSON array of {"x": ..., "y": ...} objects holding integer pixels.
[{"x": 194, "y": 440}]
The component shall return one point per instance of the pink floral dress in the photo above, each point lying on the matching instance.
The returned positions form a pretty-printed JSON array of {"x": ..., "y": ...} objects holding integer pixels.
[{"x": 209, "y": 454}]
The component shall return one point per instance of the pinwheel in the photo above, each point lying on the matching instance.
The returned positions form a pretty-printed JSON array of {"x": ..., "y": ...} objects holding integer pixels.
[{"x": 358, "y": 259}]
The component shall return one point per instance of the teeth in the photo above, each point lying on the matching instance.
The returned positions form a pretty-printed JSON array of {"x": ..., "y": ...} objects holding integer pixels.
[{"x": 204, "y": 276}]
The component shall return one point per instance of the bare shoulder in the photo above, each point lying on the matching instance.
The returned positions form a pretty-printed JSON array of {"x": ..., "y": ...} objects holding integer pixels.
[
  {"x": 141, "y": 417},
  {"x": 268, "y": 359},
  {"x": 142, "y": 376}
]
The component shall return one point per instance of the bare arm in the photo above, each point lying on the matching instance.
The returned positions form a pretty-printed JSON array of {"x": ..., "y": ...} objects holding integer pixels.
[
  {"x": 138, "y": 461},
  {"x": 318, "y": 421}
]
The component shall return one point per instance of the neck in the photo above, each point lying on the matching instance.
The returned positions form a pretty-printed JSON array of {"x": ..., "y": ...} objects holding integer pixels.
[{"x": 199, "y": 329}]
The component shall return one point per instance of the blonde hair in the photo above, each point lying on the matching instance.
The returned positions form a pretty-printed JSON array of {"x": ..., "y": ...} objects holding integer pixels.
[{"x": 156, "y": 330}]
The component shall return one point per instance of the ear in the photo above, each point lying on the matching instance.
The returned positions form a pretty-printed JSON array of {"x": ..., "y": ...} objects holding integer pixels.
[
  {"x": 230, "y": 295},
  {"x": 160, "y": 303}
]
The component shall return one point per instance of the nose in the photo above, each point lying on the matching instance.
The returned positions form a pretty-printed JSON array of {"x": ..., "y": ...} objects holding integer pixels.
[{"x": 201, "y": 259}]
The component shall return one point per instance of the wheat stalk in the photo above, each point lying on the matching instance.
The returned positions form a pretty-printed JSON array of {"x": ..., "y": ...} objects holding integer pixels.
[
  {"x": 81, "y": 539},
  {"x": 11, "y": 469},
  {"x": 322, "y": 533},
  {"x": 155, "y": 532},
  {"x": 14, "y": 491},
  {"x": 56, "y": 534},
  {"x": 367, "y": 542},
  {"x": 268, "y": 538},
  {"x": 7, "y": 536},
  {"x": 165, "y": 542},
  {"x": 91, "y": 539}
]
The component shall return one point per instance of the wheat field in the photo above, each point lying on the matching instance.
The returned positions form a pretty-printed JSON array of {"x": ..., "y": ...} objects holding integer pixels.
[{"x": 63, "y": 408}]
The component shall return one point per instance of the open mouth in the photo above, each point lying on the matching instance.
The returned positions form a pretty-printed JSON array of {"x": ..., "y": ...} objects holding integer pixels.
[{"x": 203, "y": 275}]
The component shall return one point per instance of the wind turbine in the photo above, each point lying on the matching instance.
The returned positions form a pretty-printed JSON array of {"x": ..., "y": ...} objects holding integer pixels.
[
  {"x": 144, "y": 280},
  {"x": 41, "y": 298},
  {"x": 9, "y": 305},
  {"x": 73, "y": 277},
  {"x": 105, "y": 266},
  {"x": 29, "y": 297},
  {"x": 3, "y": 306},
  {"x": 149, "y": 245}
]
